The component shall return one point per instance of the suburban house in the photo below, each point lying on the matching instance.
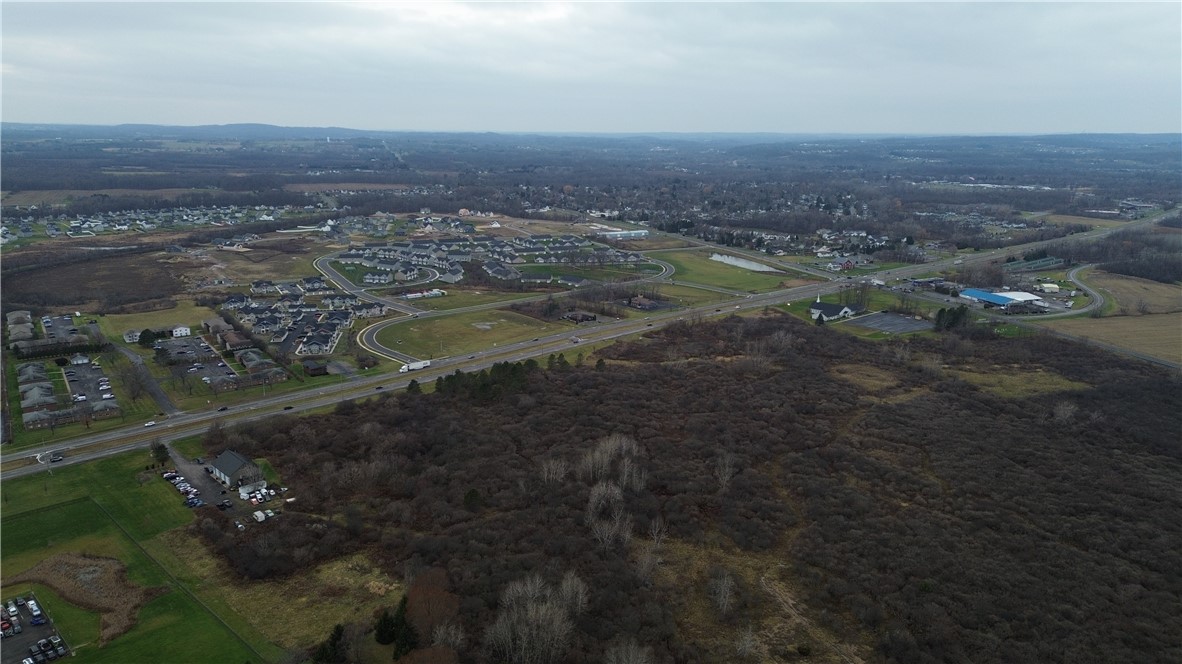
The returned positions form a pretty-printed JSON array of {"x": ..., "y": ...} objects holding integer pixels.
[
  {"x": 828, "y": 311},
  {"x": 233, "y": 469},
  {"x": 181, "y": 331},
  {"x": 377, "y": 278},
  {"x": 131, "y": 336}
]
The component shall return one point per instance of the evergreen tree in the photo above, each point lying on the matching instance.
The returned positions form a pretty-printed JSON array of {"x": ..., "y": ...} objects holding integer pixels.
[
  {"x": 383, "y": 629},
  {"x": 331, "y": 651},
  {"x": 405, "y": 638}
]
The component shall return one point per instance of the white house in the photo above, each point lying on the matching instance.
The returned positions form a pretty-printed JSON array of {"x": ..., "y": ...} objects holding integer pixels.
[{"x": 181, "y": 331}]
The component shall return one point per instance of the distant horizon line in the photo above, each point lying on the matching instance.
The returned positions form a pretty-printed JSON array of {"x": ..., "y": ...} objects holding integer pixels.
[{"x": 849, "y": 134}]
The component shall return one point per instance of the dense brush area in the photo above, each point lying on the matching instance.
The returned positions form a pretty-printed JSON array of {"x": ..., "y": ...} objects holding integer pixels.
[{"x": 914, "y": 516}]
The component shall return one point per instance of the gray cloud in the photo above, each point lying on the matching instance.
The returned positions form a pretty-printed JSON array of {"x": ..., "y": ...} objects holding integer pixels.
[{"x": 791, "y": 67}]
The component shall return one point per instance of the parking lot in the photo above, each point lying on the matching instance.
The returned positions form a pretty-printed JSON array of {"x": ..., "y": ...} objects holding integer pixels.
[
  {"x": 58, "y": 326},
  {"x": 211, "y": 491},
  {"x": 87, "y": 382},
  {"x": 199, "y": 360},
  {"x": 893, "y": 323},
  {"x": 36, "y": 642}
]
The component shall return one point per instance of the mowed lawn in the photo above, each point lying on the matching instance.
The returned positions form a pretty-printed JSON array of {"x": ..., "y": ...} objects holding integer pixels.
[
  {"x": 696, "y": 267},
  {"x": 688, "y": 296},
  {"x": 463, "y": 333},
  {"x": 172, "y": 627},
  {"x": 1065, "y": 219},
  {"x": 1156, "y": 335},
  {"x": 184, "y": 313},
  {"x": 116, "y": 508},
  {"x": 605, "y": 273}
]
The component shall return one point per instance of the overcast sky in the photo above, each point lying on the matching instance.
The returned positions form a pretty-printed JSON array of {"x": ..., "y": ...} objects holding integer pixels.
[{"x": 600, "y": 67}]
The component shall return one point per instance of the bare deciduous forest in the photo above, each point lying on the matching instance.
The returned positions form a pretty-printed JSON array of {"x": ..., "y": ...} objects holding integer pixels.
[{"x": 917, "y": 516}]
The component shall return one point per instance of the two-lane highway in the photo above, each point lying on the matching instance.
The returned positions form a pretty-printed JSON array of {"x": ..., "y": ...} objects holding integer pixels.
[{"x": 188, "y": 424}]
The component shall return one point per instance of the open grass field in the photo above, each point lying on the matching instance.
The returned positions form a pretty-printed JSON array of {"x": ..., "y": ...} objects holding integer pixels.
[
  {"x": 696, "y": 267},
  {"x": 464, "y": 333},
  {"x": 652, "y": 242},
  {"x": 1018, "y": 382},
  {"x": 184, "y": 313},
  {"x": 116, "y": 508},
  {"x": 61, "y": 196},
  {"x": 606, "y": 273},
  {"x": 1131, "y": 292},
  {"x": 877, "y": 300},
  {"x": 91, "y": 285},
  {"x": 1157, "y": 335},
  {"x": 688, "y": 296},
  {"x": 343, "y": 590},
  {"x": 1065, "y": 219},
  {"x": 458, "y": 298}
]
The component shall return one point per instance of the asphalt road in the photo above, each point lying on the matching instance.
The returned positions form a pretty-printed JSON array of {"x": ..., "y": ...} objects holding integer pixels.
[{"x": 77, "y": 450}]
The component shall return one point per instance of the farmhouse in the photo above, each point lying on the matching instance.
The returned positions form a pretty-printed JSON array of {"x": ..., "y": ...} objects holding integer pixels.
[
  {"x": 233, "y": 470},
  {"x": 827, "y": 311}
]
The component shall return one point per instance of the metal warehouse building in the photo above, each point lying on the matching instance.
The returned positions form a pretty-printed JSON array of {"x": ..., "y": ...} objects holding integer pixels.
[{"x": 1000, "y": 299}]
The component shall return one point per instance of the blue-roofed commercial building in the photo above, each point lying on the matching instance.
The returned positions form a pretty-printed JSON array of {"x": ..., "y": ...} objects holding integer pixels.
[{"x": 985, "y": 297}]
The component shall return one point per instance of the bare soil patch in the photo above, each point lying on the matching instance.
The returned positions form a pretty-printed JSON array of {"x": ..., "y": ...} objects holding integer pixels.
[{"x": 94, "y": 583}]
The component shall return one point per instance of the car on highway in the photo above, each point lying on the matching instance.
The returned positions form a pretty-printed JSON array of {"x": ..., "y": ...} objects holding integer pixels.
[
  {"x": 223, "y": 409},
  {"x": 54, "y": 459},
  {"x": 287, "y": 407},
  {"x": 380, "y": 387},
  {"x": 150, "y": 424}
]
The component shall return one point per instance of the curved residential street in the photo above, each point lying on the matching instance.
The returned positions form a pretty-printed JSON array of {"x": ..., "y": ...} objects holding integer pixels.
[{"x": 181, "y": 424}]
